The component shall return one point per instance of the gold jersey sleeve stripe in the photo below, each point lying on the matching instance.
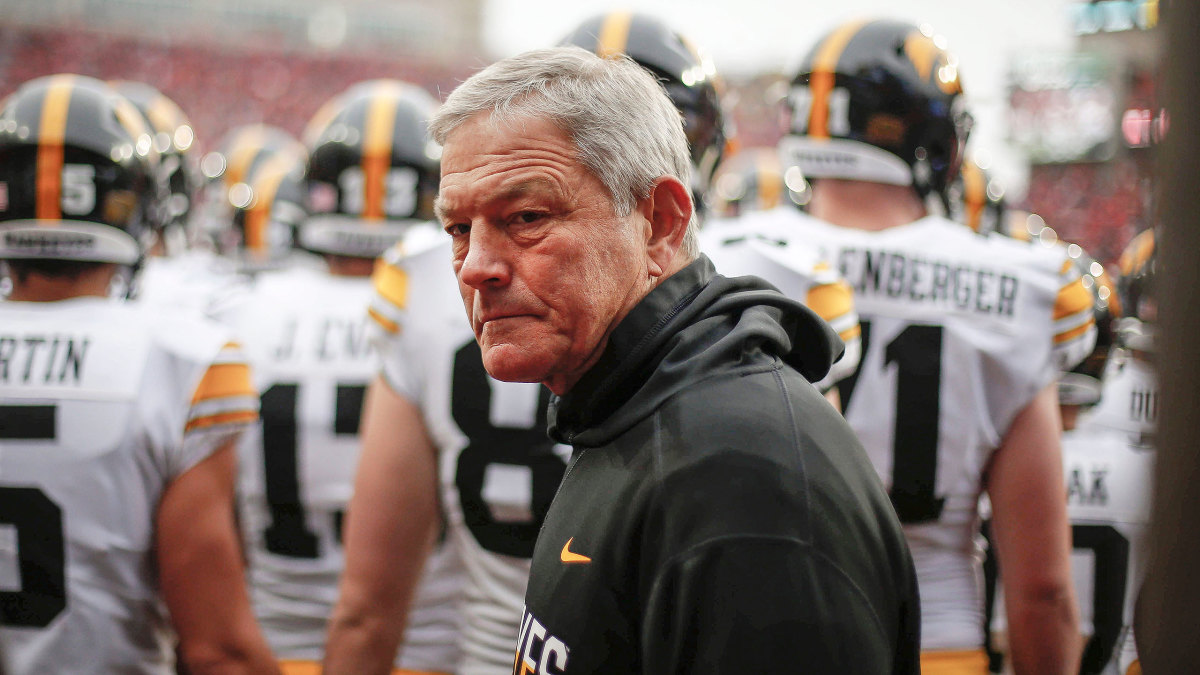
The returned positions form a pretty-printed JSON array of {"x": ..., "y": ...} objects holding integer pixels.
[
  {"x": 614, "y": 34},
  {"x": 385, "y": 323},
  {"x": 1072, "y": 299},
  {"x": 224, "y": 380},
  {"x": 391, "y": 283},
  {"x": 851, "y": 333},
  {"x": 52, "y": 131},
  {"x": 830, "y": 301},
  {"x": 1074, "y": 332},
  {"x": 238, "y": 417}
]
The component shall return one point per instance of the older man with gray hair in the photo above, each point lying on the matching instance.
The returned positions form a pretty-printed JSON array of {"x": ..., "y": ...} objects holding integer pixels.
[{"x": 718, "y": 515}]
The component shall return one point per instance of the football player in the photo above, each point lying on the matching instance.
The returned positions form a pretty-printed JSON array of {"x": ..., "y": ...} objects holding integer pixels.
[
  {"x": 787, "y": 260},
  {"x": 219, "y": 255},
  {"x": 175, "y": 141},
  {"x": 963, "y": 337},
  {"x": 692, "y": 83},
  {"x": 119, "y": 423},
  {"x": 1108, "y": 483},
  {"x": 305, "y": 330},
  {"x": 1111, "y": 496},
  {"x": 687, "y": 74},
  {"x": 435, "y": 418}
]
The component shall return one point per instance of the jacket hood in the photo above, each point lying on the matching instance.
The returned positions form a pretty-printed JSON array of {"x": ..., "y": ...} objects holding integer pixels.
[{"x": 693, "y": 325}]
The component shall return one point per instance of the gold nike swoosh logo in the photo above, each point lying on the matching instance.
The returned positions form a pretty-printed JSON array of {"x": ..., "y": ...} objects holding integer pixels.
[{"x": 568, "y": 556}]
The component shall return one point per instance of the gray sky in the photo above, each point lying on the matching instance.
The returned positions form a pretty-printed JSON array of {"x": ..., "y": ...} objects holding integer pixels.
[{"x": 748, "y": 36}]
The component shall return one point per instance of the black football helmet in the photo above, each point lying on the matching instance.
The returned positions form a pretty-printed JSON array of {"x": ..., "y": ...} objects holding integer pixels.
[
  {"x": 174, "y": 140},
  {"x": 78, "y": 174},
  {"x": 689, "y": 77},
  {"x": 754, "y": 179},
  {"x": 372, "y": 169},
  {"x": 1082, "y": 384},
  {"x": 879, "y": 101},
  {"x": 242, "y": 154},
  {"x": 268, "y": 212},
  {"x": 1138, "y": 266}
]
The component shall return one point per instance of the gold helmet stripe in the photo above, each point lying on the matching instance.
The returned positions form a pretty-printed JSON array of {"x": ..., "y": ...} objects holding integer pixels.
[
  {"x": 922, "y": 52},
  {"x": 614, "y": 34},
  {"x": 52, "y": 131},
  {"x": 254, "y": 227},
  {"x": 326, "y": 114},
  {"x": 164, "y": 115},
  {"x": 1137, "y": 252},
  {"x": 770, "y": 180},
  {"x": 1114, "y": 301},
  {"x": 822, "y": 77},
  {"x": 246, "y": 146},
  {"x": 974, "y": 194},
  {"x": 377, "y": 147},
  {"x": 135, "y": 125}
]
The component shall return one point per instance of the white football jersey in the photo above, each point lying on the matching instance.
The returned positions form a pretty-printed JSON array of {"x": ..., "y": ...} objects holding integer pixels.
[
  {"x": 191, "y": 280},
  {"x": 1109, "y": 487},
  {"x": 305, "y": 332},
  {"x": 1129, "y": 400},
  {"x": 796, "y": 268},
  {"x": 102, "y": 405},
  {"x": 499, "y": 471},
  {"x": 1110, "y": 484},
  {"x": 959, "y": 332}
]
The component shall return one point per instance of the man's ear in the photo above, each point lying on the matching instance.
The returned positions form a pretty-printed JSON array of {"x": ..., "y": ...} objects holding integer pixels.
[{"x": 667, "y": 210}]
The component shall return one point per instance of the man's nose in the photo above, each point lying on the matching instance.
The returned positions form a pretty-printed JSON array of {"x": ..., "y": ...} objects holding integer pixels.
[{"x": 485, "y": 262}]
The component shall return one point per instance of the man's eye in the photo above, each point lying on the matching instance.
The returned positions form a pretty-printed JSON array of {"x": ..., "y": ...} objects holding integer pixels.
[
  {"x": 457, "y": 229},
  {"x": 528, "y": 216}
]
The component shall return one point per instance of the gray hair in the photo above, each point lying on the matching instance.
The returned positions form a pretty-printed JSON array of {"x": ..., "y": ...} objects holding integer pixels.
[{"x": 624, "y": 127}]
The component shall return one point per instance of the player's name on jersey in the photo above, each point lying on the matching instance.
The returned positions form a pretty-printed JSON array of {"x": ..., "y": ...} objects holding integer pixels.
[
  {"x": 42, "y": 359},
  {"x": 1087, "y": 485},
  {"x": 946, "y": 284},
  {"x": 332, "y": 339}
]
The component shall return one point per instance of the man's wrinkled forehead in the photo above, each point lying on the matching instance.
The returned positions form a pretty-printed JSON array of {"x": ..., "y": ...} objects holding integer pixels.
[
  {"x": 516, "y": 125},
  {"x": 445, "y": 208}
]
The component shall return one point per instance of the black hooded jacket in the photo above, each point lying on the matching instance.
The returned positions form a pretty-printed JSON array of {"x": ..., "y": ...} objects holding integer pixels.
[{"x": 718, "y": 515}]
